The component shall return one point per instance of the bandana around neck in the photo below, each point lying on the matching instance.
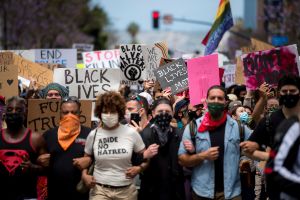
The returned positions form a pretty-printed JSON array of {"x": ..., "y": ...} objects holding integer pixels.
[{"x": 208, "y": 124}]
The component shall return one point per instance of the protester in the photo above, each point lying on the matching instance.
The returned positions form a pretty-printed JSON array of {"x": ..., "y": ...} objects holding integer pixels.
[
  {"x": 111, "y": 145},
  {"x": 65, "y": 145},
  {"x": 216, "y": 161},
  {"x": 19, "y": 149},
  {"x": 264, "y": 134},
  {"x": 163, "y": 177},
  {"x": 54, "y": 91},
  {"x": 181, "y": 113}
]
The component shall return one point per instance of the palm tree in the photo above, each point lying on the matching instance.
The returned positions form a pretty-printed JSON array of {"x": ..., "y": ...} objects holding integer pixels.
[{"x": 133, "y": 30}]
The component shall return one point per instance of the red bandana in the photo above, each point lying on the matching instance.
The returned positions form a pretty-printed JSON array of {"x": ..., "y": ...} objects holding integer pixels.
[{"x": 208, "y": 124}]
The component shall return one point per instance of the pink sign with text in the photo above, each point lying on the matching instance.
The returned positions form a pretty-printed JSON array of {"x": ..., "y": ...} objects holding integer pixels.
[{"x": 203, "y": 72}]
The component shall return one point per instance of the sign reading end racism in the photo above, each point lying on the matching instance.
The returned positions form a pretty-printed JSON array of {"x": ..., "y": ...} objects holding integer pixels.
[
  {"x": 87, "y": 83},
  {"x": 270, "y": 65},
  {"x": 173, "y": 75}
]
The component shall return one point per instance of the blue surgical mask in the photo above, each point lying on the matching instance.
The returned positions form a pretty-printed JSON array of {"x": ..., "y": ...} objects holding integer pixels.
[{"x": 244, "y": 117}]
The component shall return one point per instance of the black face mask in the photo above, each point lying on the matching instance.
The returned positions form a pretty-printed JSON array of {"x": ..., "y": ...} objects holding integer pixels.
[
  {"x": 14, "y": 121},
  {"x": 163, "y": 121},
  {"x": 289, "y": 100},
  {"x": 193, "y": 115}
]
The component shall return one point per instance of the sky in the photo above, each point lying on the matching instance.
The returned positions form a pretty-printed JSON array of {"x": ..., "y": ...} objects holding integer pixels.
[{"x": 122, "y": 12}]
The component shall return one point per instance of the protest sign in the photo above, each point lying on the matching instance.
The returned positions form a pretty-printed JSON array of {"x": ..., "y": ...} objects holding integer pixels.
[
  {"x": 66, "y": 57},
  {"x": 28, "y": 70},
  {"x": 102, "y": 59},
  {"x": 173, "y": 75},
  {"x": 27, "y": 54},
  {"x": 131, "y": 63},
  {"x": 229, "y": 75},
  {"x": 51, "y": 66},
  {"x": 203, "y": 72},
  {"x": 83, "y": 47},
  {"x": 44, "y": 114},
  {"x": 88, "y": 83},
  {"x": 270, "y": 65},
  {"x": 152, "y": 55},
  {"x": 8, "y": 75}
]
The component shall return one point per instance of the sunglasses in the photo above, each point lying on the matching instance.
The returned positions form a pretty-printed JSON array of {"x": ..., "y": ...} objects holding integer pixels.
[{"x": 71, "y": 99}]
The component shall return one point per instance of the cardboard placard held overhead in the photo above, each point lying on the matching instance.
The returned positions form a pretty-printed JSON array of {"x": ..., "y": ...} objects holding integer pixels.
[
  {"x": 229, "y": 75},
  {"x": 66, "y": 57},
  {"x": 131, "y": 63},
  {"x": 256, "y": 45},
  {"x": 203, "y": 72},
  {"x": 102, "y": 59},
  {"x": 8, "y": 75},
  {"x": 270, "y": 65},
  {"x": 88, "y": 83},
  {"x": 44, "y": 114},
  {"x": 173, "y": 75},
  {"x": 28, "y": 69},
  {"x": 152, "y": 55}
]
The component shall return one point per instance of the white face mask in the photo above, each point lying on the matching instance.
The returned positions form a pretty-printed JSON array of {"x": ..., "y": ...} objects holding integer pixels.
[{"x": 110, "y": 120}]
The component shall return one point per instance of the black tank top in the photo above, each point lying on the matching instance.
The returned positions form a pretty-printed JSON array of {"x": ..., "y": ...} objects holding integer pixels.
[{"x": 15, "y": 182}]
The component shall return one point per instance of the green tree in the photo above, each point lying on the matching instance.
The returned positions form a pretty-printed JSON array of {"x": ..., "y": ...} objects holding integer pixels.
[{"x": 133, "y": 30}]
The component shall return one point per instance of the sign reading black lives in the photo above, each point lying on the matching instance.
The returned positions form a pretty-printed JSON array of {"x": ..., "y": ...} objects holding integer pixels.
[
  {"x": 131, "y": 63},
  {"x": 174, "y": 75}
]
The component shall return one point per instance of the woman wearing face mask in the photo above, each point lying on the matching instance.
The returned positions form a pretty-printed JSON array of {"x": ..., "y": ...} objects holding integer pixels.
[
  {"x": 112, "y": 145},
  {"x": 247, "y": 166},
  {"x": 163, "y": 178}
]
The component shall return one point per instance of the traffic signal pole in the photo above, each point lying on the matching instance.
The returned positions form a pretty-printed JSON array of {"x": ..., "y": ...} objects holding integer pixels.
[{"x": 245, "y": 37}]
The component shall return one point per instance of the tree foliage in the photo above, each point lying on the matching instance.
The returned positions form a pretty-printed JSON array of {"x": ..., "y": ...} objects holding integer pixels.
[{"x": 51, "y": 24}]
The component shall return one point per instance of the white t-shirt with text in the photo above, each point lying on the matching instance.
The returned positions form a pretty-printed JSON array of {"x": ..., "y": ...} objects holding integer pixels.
[{"x": 112, "y": 151}]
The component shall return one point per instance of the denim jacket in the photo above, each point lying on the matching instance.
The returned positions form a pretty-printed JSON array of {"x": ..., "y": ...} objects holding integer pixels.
[{"x": 203, "y": 175}]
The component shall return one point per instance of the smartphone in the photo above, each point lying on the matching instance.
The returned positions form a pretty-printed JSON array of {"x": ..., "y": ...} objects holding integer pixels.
[{"x": 135, "y": 117}]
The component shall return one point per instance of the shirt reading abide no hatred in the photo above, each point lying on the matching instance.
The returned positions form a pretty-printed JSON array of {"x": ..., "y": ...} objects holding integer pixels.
[{"x": 112, "y": 151}]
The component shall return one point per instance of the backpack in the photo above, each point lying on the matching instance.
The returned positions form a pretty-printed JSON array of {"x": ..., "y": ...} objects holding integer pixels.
[{"x": 274, "y": 181}]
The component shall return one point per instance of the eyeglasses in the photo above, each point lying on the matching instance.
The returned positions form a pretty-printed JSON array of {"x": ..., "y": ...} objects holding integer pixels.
[
  {"x": 138, "y": 99},
  {"x": 53, "y": 94}
]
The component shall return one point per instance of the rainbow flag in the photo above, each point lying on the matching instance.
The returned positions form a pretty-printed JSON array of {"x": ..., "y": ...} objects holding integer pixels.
[{"x": 222, "y": 23}]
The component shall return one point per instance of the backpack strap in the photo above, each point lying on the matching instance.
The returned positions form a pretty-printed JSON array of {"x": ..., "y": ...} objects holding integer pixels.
[
  {"x": 193, "y": 131},
  {"x": 242, "y": 131}
]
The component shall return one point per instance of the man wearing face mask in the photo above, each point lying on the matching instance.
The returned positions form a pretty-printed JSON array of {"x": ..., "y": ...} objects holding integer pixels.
[
  {"x": 19, "y": 149},
  {"x": 138, "y": 107},
  {"x": 217, "y": 148},
  {"x": 263, "y": 135},
  {"x": 65, "y": 145}
]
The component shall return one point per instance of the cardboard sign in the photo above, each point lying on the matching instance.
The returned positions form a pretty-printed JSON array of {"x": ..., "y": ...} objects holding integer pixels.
[
  {"x": 88, "y": 83},
  {"x": 44, "y": 114},
  {"x": 8, "y": 75},
  {"x": 28, "y": 69},
  {"x": 173, "y": 75},
  {"x": 203, "y": 72},
  {"x": 27, "y": 54},
  {"x": 102, "y": 59},
  {"x": 229, "y": 75},
  {"x": 270, "y": 65},
  {"x": 152, "y": 55},
  {"x": 66, "y": 57},
  {"x": 131, "y": 63},
  {"x": 82, "y": 47}
]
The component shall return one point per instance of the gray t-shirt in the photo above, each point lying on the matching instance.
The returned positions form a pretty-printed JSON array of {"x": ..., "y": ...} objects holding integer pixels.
[{"x": 112, "y": 151}]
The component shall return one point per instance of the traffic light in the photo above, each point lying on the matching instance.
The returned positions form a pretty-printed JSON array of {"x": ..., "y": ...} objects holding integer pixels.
[{"x": 155, "y": 19}]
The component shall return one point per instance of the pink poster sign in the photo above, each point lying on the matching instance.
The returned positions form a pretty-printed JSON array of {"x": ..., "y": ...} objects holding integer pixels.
[
  {"x": 270, "y": 65},
  {"x": 203, "y": 72}
]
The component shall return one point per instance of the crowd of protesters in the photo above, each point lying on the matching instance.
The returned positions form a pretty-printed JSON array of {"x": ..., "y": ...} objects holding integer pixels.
[{"x": 149, "y": 144}]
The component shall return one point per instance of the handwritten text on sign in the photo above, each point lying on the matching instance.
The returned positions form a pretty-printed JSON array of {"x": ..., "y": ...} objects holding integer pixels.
[
  {"x": 88, "y": 83},
  {"x": 173, "y": 75},
  {"x": 270, "y": 65},
  {"x": 67, "y": 57},
  {"x": 44, "y": 114},
  {"x": 131, "y": 62},
  {"x": 102, "y": 59}
]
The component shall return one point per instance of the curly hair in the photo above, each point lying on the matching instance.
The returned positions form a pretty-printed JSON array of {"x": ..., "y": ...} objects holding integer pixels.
[{"x": 110, "y": 102}]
